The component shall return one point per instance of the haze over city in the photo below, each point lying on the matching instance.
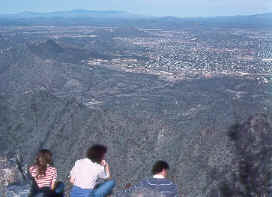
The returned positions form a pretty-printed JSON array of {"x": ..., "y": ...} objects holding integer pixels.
[{"x": 178, "y": 8}]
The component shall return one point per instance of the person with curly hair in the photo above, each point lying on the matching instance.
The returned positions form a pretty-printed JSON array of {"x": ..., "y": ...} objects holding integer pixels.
[{"x": 86, "y": 171}]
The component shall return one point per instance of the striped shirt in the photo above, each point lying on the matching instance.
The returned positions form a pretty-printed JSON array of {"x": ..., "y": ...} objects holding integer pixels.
[
  {"x": 163, "y": 185},
  {"x": 41, "y": 180}
]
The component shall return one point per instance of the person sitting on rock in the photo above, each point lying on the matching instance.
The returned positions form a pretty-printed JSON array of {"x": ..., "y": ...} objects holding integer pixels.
[
  {"x": 44, "y": 176},
  {"x": 87, "y": 171},
  {"x": 159, "y": 182}
]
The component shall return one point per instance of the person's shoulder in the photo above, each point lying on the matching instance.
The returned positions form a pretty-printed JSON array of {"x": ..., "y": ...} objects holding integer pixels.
[
  {"x": 79, "y": 161},
  {"x": 52, "y": 168},
  {"x": 98, "y": 166},
  {"x": 172, "y": 185},
  {"x": 164, "y": 181},
  {"x": 145, "y": 182},
  {"x": 85, "y": 162},
  {"x": 170, "y": 182}
]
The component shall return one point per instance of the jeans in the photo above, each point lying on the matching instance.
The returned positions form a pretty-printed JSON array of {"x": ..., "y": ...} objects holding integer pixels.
[
  {"x": 104, "y": 189},
  {"x": 47, "y": 192},
  {"x": 101, "y": 191},
  {"x": 59, "y": 189}
]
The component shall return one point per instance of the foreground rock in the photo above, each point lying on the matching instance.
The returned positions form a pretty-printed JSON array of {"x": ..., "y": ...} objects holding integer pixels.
[
  {"x": 18, "y": 190},
  {"x": 13, "y": 180},
  {"x": 249, "y": 174},
  {"x": 251, "y": 171}
]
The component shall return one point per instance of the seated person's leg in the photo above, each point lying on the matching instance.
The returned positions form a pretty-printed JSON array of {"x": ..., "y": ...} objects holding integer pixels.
[
  {"x": 59, "y": 190},
  {"x": 78, "y": 192},
  {"x": 104, "y": 189}
]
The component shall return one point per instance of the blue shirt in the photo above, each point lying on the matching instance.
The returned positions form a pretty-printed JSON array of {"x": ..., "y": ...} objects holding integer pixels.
[{"x": 163, "y": 185}]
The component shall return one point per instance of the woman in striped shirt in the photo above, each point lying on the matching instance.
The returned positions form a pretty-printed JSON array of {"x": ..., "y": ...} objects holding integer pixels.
[{"x": 45, "y": 175}]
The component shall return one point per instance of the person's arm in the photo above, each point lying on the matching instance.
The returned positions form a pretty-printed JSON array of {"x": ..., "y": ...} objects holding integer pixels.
[
  {"x": 72, "y": 179},
  {"x": 32, "y": 171},
  {"x": 174, "y": 189},
  {"x": 106, "y": 169},
  {"x": 53, "y": 184},
  {"x": 73, "y": 173},
  {"x": 54, "y": 179}
]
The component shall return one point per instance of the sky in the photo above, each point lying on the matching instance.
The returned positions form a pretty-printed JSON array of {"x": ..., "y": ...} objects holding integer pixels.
[{"x": 178, "y": 8}]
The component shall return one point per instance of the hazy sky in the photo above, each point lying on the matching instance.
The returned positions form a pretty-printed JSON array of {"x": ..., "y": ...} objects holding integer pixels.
[{"x": 179, "y": 8}]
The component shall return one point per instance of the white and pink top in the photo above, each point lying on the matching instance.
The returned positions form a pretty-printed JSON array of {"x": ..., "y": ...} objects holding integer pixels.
[{"x": 46, "y": 180}]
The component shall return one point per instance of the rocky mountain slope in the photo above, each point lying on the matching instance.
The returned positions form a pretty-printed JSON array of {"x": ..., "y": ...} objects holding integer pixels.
[{"x": 67, "y": 107}]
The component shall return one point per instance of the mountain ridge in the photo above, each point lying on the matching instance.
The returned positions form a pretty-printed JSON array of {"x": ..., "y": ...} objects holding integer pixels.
[
  {"x": 121, "y": 18},
  {"x": 114, "y": 13},
  {"x": 72, "y": 14}
]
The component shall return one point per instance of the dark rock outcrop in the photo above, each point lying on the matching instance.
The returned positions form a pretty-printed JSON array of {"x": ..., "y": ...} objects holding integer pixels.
[
  {"x": 251, "y": 171},
  {"x": 13, "y": 176}
]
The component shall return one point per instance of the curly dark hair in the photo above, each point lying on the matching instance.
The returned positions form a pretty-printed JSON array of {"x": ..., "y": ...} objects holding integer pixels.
[
  {"x": 159, "y": 166},
  {"x": 96, "y": 153}
]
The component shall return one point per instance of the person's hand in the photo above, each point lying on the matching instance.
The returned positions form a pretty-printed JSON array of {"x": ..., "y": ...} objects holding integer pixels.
[
  {"x": 104, "y": 163},
  {"x": 106, "y": 168}
]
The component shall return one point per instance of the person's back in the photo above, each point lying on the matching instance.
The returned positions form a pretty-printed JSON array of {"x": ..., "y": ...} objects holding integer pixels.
[
  {"x": 44, "y": 176},
  {"x": 159, "y": 182},
  {"x": 46, "y": 180},
  {"x": 163, "y": 185},
  {"x": 87, "y": 171}
]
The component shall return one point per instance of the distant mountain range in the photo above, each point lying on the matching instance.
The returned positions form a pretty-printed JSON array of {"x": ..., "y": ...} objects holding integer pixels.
[
  {"x": 73, "y": 14},
  {"x": 121, "y": 18},
  {"x": 110, "y": 14}
]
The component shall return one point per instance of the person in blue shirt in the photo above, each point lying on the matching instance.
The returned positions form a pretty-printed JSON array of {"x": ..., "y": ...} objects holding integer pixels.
[{"x": 159, "y": 181}]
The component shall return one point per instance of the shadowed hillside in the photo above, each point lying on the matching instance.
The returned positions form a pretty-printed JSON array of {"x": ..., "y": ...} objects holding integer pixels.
[
  {"x": 51, "y": 50},
  {"x": 250, "y": 172}
]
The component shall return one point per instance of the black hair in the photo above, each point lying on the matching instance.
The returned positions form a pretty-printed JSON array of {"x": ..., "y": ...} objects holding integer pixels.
[
  {"x": 96, "y": 153},
  {"x": 159, "y": 166}
]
